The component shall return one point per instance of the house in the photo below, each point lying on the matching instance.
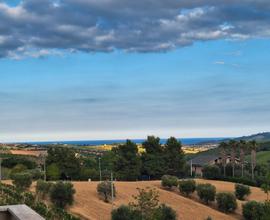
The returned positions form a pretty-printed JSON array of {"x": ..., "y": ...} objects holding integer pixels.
[
  {"x": 199, "y": 162},
  {"x": 18, "y": 212}
]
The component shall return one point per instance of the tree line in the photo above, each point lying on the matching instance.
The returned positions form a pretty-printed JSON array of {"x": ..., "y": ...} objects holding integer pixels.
[{"x": 125, "y": 161}]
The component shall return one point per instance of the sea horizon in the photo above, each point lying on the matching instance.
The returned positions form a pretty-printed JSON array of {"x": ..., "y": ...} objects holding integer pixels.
[{"x": 184, "y": 141}]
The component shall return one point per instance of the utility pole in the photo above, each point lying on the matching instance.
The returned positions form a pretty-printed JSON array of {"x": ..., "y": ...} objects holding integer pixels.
[
  {"x": 191, "y": 168},
  {"x": 45, "y": 177},
  {"x": 112, "y": 189},
  {"x": 0, "y": 169},
  {"x": 99, "y": 164}
]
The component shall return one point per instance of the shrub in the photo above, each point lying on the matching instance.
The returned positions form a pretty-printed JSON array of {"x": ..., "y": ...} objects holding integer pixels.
[
  {"x": 253, "y": 210},
  {"x": 211, "y": 172},
  {"x": 164, "y": 212},
  {"x": 19, "y": 168},
  {"x": 53, "y": 172},
  {"x": 22, "y": 180},
  {"x": 241, "y": 191},
  {"x": 105, "y": 190},
  {"x": 206, "y": 192},
  {"x": 62, "y": 194},
  {"x": 169, "y": 181},
  {"x": 226, "y": 202},
  {"x": 43, "y": 188},
  {"x": 89, "y": 173},
  {"x": 187, "y": 187},
  {"x": 125, "y": 213}
]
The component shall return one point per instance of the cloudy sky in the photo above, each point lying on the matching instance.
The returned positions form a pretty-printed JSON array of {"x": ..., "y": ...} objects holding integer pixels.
[{"x": 109, "y": 69}]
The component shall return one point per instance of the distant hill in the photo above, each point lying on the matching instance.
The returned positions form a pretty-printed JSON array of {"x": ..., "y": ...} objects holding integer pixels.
[{"x": 260, "y": 137}]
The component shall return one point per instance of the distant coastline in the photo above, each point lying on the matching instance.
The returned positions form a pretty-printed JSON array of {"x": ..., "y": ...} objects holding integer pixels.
[{"x": 185, "y": 141}]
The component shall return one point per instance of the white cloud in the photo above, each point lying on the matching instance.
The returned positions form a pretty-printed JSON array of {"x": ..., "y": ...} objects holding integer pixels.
[{"x": 141, "y": 26}]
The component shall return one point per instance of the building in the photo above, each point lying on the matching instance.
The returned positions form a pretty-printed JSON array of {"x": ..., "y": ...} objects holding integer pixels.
[
  {"x": 18, "y": 212},
  {"x": 199, "y": 162}
]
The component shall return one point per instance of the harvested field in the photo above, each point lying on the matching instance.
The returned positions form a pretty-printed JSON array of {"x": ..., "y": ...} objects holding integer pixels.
[{"x": 89, "y": 206}]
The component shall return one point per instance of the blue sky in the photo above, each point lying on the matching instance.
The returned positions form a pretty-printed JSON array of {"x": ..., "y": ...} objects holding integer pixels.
[{"x": 213, "y": 84}]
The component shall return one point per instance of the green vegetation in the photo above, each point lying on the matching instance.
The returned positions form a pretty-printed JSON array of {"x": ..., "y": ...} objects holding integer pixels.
[
  {"x": 226, "y": 202},
  {"x": 62, "y": 194},
  {"x": 262, "y": 157},
  {"x": 253, "y": 210},
  {"x": 241, "y": 191},
  {"x": 104, "y": 189},
  {"x": 211, "y": 172},
  {"x": 169, "y": 181},
  {"x": 146, "y": 206},
  {"x": 22, "y": 180},
  {"x": 206, "y": 192},
  {"x": 10, "y": 195},
  {"x": 127, "y": 163},
  {"x": 187, "y": 187},
  {"x": 43, "y": 188}
]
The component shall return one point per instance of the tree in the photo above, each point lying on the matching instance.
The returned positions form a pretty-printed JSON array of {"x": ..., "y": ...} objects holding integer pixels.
[
  {"x": 154, "y": 164},
  {"x": 43, "y": 188},
  {"x": 211, "y": 172},
  {"x": 145, "y": 207},
  {"x": 146, "y": 202},
  {"x": 127, "y": 163},
  {"x": 66, "y": 161},
  {"x": 169, "y": 181},
  {"x": 22, "y": 180},
  {"x": 266, "y": 186},
  {"x": 164, "y": 212},
  {"x": 206, "y": 192},
  {"x": 233, "y": 146},
  {"x": 223, "y": 151},
  {"x": 19, "y": 168},
  {"x": 174, "y": 157},
  {"x": 253, "y": 210},
  {"x": 88, "y": 173},
  {"x": 187, "y": 187},
  {"x": 62, "y": 194},
  {"x": 253, "y": 147},
  {"x": 243, "y": 147},
  {"x": 226, "y": 202},
  {"x": 53, "y": 172},
  {"x": 105, "y": 190},
  {"x": 241, "y": 191},
  {"x": 125, "y": 212}
]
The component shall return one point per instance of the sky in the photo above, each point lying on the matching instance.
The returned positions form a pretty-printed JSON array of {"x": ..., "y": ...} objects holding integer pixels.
[{"x": 103, "y": 69}]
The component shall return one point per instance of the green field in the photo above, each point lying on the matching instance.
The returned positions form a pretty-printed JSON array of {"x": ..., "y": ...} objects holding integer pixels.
[{"x": 262, "y": 157}]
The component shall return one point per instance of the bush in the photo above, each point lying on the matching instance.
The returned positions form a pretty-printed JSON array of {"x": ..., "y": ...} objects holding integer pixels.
[
  {"x": 169, "y": 181},
  {"x": 53, "y": 172},
  {"x": 164, "y": 212},
  {"x": 22, "y": 180},
  {"x": 125, "y": 213},
  {"x": 206, "y": 192},
  {"x": 226, "y": 202},
  {"x": 62, "y": 194},
  {"x": 211, "y": 172},
  {"x": 241, "y": 191},
  {"x": 19, "y": 168},
  {"x": 43, "y": 188},
  {"x": 89, "y": 173},
  {"x": 253, "y": 210},
  {"x": 104, "y": 189},
  {"x": 187, "y": 187}
]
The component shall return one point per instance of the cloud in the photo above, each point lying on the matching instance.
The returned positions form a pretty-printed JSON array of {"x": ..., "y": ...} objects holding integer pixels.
[
  {"x": 32, "y": 27},
  {"x": 220, "y": 62}
]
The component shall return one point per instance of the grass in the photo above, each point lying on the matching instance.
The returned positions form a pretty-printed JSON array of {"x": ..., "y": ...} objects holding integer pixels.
[{"x": 263, "y": 157}]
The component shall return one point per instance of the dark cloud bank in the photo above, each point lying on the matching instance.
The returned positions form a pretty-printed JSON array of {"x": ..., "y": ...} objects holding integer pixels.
[{"x": 41, "y": 27}]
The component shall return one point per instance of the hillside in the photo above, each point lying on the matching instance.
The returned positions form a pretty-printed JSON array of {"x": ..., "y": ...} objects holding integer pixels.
[
  {"x": 260, "y": 137},
  {"x": 89, "y": 206},
  {"x": 262, "y": 157}
]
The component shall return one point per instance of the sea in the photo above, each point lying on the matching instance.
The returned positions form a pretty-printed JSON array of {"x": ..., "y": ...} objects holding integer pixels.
[{"x": 184, "y": 141}]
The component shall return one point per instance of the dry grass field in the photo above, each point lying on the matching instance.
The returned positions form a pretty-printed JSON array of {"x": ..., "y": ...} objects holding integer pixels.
[{"x": 89, "y": 206}]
